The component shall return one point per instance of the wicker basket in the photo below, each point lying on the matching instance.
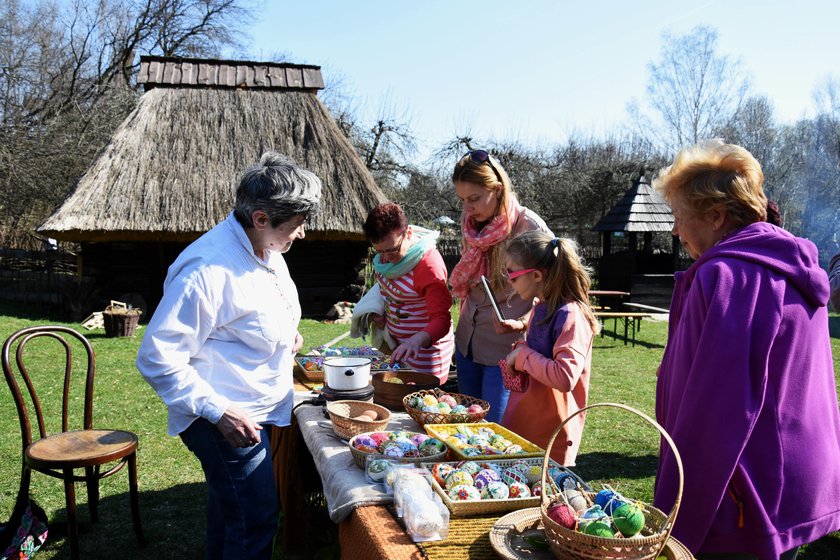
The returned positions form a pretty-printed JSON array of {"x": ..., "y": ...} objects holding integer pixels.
[
  {"x": 568, "y": 544},
  {"x": 360, "y": 456},
  {"x": 345, "y": 425},
  {"x": 119, "y": 321},
  {"x": 391, "y": 394},
  {"x": 424, "y": 418}
]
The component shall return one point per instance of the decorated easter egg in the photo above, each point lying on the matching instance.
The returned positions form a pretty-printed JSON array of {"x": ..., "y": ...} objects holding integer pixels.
[
  {"x": 474, "y": 409},
  {"x": 430, "y": 400},
  {"x": 495, "y": 490},
  {"x": 565, "y": 480},
  {"x": 440, "y": 471},
  {"x": 576, "y": 500},
  {"x": 533, "y": 474},
  {"x": 416, "y": 402},
  {"x": 521, "y": 465},
  {"x": 477, "y": 440},
  {"x": 364, "y": 441},
  {"x": 393, "y": 450},
  {"x": 418, "y": 439},
  {"x": 405, "y": 445},
  {"x": 511, "y": 475},
  {"x": 463, "y": 492},
  {"x": 463, "y": 430},
  {"x": 594, "y": 513},
  {"x": 432, "y": 446},
  {"x": 485, "y": 477},
  {"x": 470, "y": 466},
  {"x": 396, "y": 381},
  {"x": 379, "y": 437},
  {"x": 629, "y": 519},
  {"x": 513, "y": 449},
  {"x": 448, "y": 399},
  {"x": 486, "y": 431},
  {"x": 376, "y": 469},
  {"x": 457, "y": 477},
  {"x": 459, "y": 409},
  {"x": 536, "y": 489},
  {"x": 471, "y": 451},
  {"x": 366, "y": 448},
  {"x": 430, "y": 408},
  {"x": 608, "y": 500},
  {"x": 519, "y": 490},
  {"x": 399, "y": 434},
  {"x": 444, "y": 408},
  {"x": 598, "y": 529},
  {"x": 562, "y": 514}
]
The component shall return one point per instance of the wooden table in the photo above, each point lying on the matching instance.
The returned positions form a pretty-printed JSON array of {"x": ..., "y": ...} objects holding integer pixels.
[{"x": 632, "y": 322}]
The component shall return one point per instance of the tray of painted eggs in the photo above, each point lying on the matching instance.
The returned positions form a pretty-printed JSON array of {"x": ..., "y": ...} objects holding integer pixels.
[
  {"x": 436, "y": 406},
  {"x": 406, "y": 447},
  {"x": 483, "y": 440},
  {"x": 480, "y": 487},
  {"x": 607, "y": 515}
]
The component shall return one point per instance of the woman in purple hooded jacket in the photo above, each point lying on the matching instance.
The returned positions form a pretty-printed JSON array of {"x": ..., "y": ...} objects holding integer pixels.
[{"x": 746, "y": 386}]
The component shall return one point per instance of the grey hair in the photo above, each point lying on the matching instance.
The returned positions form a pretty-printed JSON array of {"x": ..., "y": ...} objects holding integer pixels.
[{"x": 277, "y": 186}]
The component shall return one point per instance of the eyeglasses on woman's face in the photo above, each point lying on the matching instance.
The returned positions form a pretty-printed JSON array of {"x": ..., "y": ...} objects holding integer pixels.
[
  {"x": 514, "y": 274},
  {"x": 482, "y": 156},
  {"x": 393, "y": 250}
]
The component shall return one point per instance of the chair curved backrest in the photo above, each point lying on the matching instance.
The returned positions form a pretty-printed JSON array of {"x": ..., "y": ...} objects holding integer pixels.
[{"x": 15, "y": 346}]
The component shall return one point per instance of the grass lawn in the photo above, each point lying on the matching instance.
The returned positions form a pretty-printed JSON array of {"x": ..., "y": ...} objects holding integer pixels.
[{"x": 618, "y": 447}]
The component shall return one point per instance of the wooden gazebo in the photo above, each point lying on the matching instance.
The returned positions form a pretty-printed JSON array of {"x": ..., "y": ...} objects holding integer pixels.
[{"x": 640, "y": 210}]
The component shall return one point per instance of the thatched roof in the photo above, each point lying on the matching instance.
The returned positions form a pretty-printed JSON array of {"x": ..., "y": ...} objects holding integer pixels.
[
  {"x": 640, "y": 209},
  {"x": 170, "y": 170}
]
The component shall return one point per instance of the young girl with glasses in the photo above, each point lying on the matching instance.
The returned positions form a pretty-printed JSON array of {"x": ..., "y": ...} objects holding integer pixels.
[
  {"x": 491, "y": 215},
  {"x": 556, "y": 356}
]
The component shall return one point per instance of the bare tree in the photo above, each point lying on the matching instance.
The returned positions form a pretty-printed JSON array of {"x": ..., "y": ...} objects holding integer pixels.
[{"x": 692, "y": 91}]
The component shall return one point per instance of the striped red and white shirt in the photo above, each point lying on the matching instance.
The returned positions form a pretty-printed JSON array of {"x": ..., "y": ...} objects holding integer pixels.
[{"x": 419, "y": 300}]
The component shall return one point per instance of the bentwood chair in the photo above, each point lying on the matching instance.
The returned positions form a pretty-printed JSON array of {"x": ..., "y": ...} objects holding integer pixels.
[{"x": 60, "y": 454}]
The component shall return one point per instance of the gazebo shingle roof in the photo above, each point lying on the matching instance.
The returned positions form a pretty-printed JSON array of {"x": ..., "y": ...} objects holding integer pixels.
[{"x": 640, "y": 209}]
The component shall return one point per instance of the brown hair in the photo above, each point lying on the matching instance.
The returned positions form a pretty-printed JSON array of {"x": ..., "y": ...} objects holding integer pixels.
[
  {"x": 712, "y": 173},
  {"x": 384, "y": 219}
]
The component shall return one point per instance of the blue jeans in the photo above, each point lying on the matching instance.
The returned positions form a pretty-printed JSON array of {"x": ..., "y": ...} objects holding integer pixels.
[
  {"x": 484, "y": 382},
  {"x": 242, "y": 507}
]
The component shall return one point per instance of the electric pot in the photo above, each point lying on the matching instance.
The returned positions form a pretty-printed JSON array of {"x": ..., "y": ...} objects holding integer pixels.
[{"x": 347, "y": 373}]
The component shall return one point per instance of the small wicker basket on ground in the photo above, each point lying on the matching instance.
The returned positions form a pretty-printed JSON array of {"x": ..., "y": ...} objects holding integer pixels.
[
  {"x": 424, "y": 418},
  {"x": 345, "y": 421},
  {"x": 568, "y": 544},
  {"x": 120, "y": 321}
]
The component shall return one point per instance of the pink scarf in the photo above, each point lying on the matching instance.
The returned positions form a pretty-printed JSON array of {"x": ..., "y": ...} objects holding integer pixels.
[{"x": 473, "y": 261}]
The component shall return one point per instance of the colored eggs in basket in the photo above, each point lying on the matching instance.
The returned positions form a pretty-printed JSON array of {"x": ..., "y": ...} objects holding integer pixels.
[
  {"x": 609, "y": 500},
  {"x": 470, "y": 466},
  {"x": 377, "y": 468},
  {"x": 449, "y": 400},
  {"x": 519, "y": 490},
  {"x": 440, "y": 471},
  {"x": 458, "y": 477},
  {"x": 474, "y": 409},
  {"x": 562, "y": 514},
  {"x": 485, "y": 477},
  {"x": 459, "y": 409},
  {"x": 432, "y": 446},
  {"x": 430, "y": 400}
]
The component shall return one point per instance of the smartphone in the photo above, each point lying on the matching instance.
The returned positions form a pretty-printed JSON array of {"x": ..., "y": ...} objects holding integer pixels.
[{"x": 486, "y": 283}]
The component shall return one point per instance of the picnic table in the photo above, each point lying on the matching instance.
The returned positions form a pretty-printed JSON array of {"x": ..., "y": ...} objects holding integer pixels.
[
  {"x": 308, "y": 454},
  {"x": 632, "y": 322}
]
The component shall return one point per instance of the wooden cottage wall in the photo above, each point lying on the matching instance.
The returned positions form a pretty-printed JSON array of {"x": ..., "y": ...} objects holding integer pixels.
[{"x": 325, "y": 272}]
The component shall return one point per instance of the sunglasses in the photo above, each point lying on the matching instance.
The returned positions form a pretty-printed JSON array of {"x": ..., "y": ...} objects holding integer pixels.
[
  {"x": 393, "y": 250},
  {"x": 514, "y": 274},
  {"x": 482, "y": 156}
]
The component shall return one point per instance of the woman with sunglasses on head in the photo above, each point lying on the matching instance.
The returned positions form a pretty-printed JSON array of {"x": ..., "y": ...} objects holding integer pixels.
[
  {"x": 557, "y": 357},
  {"x": 491, "y": 215},
  {"x": 411, "y": 280}
]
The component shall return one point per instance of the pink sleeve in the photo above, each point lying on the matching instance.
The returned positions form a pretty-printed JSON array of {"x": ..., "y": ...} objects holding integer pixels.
[
  {"x": 563, "y": 370},
  {"x": 430, "y": 282}
]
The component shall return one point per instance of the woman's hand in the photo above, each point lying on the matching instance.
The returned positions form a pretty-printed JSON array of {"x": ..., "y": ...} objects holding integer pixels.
[
  {"x": 410, "y": 347},
  {"x": 511, "y": 357},
  {"x": 298, "y": 343},
  {"x": 377, "y": 320},
  {"x": 237, "y": 428}
]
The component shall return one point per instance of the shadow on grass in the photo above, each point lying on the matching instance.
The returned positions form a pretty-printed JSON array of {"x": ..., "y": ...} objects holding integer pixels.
[
  {"x": 642, "y": 343},
  {"x": 173, "y": 524},
  {"x": 608, "y": 465}
]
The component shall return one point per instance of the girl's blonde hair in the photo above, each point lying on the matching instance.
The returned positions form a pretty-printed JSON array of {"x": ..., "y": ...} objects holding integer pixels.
[
  {"x": 712, "y": 173},
  {"x": 567, "y": 278},
  {"x": 490, "y": 175}
]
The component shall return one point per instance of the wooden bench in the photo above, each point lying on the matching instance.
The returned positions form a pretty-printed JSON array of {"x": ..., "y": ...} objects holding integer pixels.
[
  {"x": 632, "y": 322},
  {"x": 643, "y": 307}
]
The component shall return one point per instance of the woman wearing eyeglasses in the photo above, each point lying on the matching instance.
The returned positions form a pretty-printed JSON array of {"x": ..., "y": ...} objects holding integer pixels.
[
  {"x": 491, "y": 215},
  {"x": 411, "y": 277}
]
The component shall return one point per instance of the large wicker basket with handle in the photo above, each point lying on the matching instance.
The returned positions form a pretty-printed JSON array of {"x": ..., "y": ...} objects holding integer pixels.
[{"x": 568, "y": 544}]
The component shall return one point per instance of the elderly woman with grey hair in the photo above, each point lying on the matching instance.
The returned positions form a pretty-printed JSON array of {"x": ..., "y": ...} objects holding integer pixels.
[{"x": 219, "y": 348}]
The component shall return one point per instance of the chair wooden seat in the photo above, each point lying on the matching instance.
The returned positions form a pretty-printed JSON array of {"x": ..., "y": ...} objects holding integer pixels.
[
  {"x": 80, "y": 448},
  {"x": 100, "y": 453}
]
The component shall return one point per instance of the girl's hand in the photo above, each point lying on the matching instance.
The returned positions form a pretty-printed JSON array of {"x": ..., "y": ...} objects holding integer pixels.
[
  {"x": 508, "y": 326},
  {"x": 511, "y": 358}
]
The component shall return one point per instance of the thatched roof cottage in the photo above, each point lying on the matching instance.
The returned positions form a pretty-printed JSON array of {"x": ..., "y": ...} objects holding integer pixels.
[{"x": 169, "y": 174}]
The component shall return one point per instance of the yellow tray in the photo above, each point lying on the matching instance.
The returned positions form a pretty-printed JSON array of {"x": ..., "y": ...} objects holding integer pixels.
[
  {"x": 483, "y": 507},
  {"x": 443, "y": 431}
]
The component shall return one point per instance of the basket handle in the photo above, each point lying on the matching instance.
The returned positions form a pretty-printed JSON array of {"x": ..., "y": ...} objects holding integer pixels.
[{"x": 671, "y": 516}]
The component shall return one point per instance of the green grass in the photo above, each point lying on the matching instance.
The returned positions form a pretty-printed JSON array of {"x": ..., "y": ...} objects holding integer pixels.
[{"x": 617, "y": 447}]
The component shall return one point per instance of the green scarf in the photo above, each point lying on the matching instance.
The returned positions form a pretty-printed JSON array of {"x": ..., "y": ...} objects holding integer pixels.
[{"x": 426, "y": 239}]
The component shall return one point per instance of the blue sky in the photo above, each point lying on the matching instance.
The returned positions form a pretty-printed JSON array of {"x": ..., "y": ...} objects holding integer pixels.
[{"x": 538, "y": 71}]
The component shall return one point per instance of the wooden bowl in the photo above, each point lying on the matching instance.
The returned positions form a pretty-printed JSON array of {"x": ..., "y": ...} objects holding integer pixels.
[
  {"x": 391, "y": 394},
  {"x": 346, "y": 423}
]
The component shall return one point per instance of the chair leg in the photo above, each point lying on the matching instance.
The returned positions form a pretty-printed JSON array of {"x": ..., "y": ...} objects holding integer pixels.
[
  {"x": 135, "y": 501},
  {"x": 92, "y": 483},
  {"x": 72, "y": 527}
]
